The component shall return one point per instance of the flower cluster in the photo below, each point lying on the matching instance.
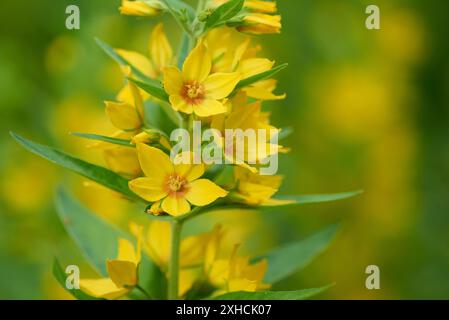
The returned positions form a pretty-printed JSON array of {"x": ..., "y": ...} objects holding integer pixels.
[{"x": 218, "y": 79}]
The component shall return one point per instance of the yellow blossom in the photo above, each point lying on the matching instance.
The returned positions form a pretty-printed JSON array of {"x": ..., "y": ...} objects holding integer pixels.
[
  {"x": 237, "y": 274},
  {"x": 126, "y": 116},
  {"x": 175, "y": 185},
  {"x": 156, "y": 243},
  {"x": 255, "y": 189},
  {"x": 195, "y": 89},
  {"x": 122, "y": 273},
  {"x": 140, "y": 8},
  {"x": 261, "y": 23}
]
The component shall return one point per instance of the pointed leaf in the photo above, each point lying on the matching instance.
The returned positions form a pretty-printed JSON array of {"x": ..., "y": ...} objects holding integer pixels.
[
  {"x": 293, "y": 257},
  {"x": 61, "y": 276},
  {"x": 153, "y": 89},
  {"x": 93, "y": 172},
  {"x": 97, "y": 137},
  {"x": 273, "y": 295},
  {"x": 260, "y": 76},
  {"x": 98, "y": 241},
  {"x": 319, "y": 198},
  {"x": 120, "y": 60},
  {"x": 223, "y": 13}
]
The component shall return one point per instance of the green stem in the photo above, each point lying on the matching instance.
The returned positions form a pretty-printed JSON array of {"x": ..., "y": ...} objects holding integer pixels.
[
  {"x": 173, "y": 267},
  {"x": 144, "y": 292}
]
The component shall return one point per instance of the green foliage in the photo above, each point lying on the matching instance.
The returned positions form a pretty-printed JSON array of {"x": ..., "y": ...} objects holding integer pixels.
[
  {"x": 260, "y": 76},
  {"x": 93, "y": 172},
  {"x": 153, "y": 88},
  {"x": 61, "y": 276},
  {"x": 273, "y": 295},
  {"x": 223, "y": 13},
  {"x": 319, "y": 198},
  {"x": 98, "y": 241},
  {"x": 120, "y": 60},
  {"x": 292, "y": 257},
  {"x": 97, "y": 137}
]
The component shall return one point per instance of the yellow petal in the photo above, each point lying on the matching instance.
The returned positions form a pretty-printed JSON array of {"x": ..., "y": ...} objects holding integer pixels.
[
  {"x": 148, "y": 188},
  {"x": 160, "y": 49},
  {"x": 123, "y": 115},
  {"x": 102, "y": 288},
  {"x": 187, "y": 278},
  {"x": 175, "y": 206},
  {"x": 261, "y": 6},
  {"x": 155, "y": 163},
  {"x": 198, "y": 64},
  {"x": 139, "y": 61},
  {"x": 209, "y": 107},
  {"x": 158, "y": 240},
  {"x": 263, "y": 90},
  {"x": 122, "y": 160},
  {"x": 203, "y": 191},
  {"x": 219, "y": 85},
  {"x": 138, "y": 100},
  {"x": 186, "y": 168},
  {"x": 179, "y": 104},
  {"x": 193, "y": 249},
  {"x": 139, "y": 8},
  {"x": 236, "y": 285},
  {"x": 253, "y": 66},
  {"x": 122, "y": 273},
  {"x": 126, "y": 251},
  {"x": 172, "y": 80}
]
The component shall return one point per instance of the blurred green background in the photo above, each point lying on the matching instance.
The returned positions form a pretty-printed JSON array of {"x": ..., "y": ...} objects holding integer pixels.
[{"x": 370, "y": 111}]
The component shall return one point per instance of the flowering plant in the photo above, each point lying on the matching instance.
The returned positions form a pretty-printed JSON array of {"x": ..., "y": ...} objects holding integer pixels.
[{"x": 216, "y": 81}]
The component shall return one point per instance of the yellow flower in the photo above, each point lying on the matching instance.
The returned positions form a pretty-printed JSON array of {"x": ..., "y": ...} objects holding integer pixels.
[
  {"x": 140, "y": 8},
  {"x": 195, "y": 89},
  {"x": 122, "y": 273},
  {"x": 160, "y": 55},
  {"x": 176, "y": 186},
  {"x": 237, "y": 274},
  {"x": 156, "y": 243},
  {"x": 261, "y": 6},
  {"x": 122, "y": 160},
  {"x": 231, "y": 51},
  {"x": 245, "y": 116},
  {"x": 254, "y": 189},
  {"x": 126, "y": 116},
  {"x": 261, "y": 23}
]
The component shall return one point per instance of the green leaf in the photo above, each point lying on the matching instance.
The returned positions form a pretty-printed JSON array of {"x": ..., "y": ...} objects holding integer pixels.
[
  {"x": 260, "y": 76},
  {"x": 224, "y": 13},
  {"x": 153, "y": 89},
  {"x": 285, "y": 132},
  {"x": 319, "y": 198},
  {"x": 61, "y": 277},
  {"x": 98, "y": 241},
  {"x": 93, "y": 172},
  {"x": 90, "y": 136},
  {"x": 120, "y": 60},
  {"x": 159, "y": 117},
  {"x": 273, "y": 295},
  {"x": 292, "y": 257}
]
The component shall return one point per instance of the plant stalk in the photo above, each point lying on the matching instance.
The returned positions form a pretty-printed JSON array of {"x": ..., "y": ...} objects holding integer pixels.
[{"x": 173, "y": 267}]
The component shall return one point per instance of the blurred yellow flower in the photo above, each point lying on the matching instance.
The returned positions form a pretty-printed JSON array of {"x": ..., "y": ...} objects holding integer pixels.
[
  {"x": 140, "y": 8},
  {"x": 237, "y": 274},
  {"x": 176, "y": 186},
  {"x": 255, "y": 189},
  {"x": 122, "y": 273},
  {"x": 261, "y": 23},
  {"x": 195, "y": 89}
]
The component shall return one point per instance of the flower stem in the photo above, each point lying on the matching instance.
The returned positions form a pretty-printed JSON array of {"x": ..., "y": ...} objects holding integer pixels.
[{"x": 173, "y": 268}]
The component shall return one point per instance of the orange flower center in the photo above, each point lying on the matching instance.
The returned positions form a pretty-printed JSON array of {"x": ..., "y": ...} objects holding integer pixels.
[
  {"x": 193, "y": 92},
  {"x": 176, "y": 185}
]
